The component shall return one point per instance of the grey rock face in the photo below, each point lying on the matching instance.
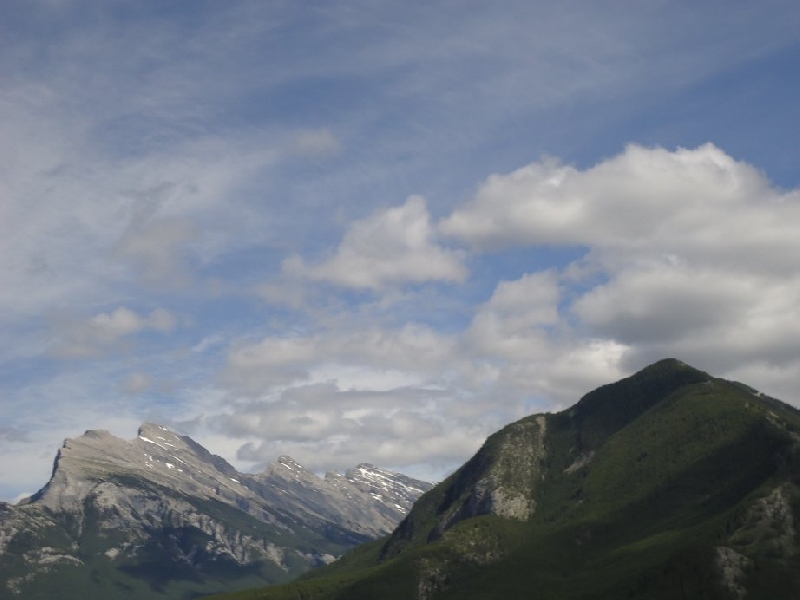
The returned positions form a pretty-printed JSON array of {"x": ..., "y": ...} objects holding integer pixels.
[
  {"x": 164, "y": 495},
  {"x": 504, "y": 478},
  {"x": 397, "y": 491},
  {"x": 157, "y": 455}
]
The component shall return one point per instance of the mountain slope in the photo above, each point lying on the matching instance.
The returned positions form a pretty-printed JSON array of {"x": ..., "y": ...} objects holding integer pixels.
[
  {"x": 160, "y": 516},
  {"x": 670, "y": 483}
]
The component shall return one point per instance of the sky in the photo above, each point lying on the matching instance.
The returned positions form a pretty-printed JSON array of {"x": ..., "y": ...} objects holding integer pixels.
[{"x": 379, "y": 231}]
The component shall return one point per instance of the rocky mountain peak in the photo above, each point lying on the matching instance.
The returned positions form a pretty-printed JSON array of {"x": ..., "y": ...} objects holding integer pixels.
[
  {"x": 290, "y": 463},
  {"x": 99, "y": 434},
  {"x": 395, "y": 489},
  {"x": 156, "y": 431},
  {"x": 163, "y": 499},
  {"x": 285, "y": 468}
]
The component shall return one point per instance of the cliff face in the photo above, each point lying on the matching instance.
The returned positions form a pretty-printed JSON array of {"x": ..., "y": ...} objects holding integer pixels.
[{"x": 160, "y": 516}]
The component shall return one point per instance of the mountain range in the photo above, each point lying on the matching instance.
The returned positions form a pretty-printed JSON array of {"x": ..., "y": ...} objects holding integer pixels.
[
  {"x": 162, "y": 517},
  {"x": 668, "y": 484}
]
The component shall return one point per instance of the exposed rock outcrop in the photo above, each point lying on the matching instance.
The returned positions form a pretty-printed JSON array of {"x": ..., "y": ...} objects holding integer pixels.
[{"x": 163, "y": 499}]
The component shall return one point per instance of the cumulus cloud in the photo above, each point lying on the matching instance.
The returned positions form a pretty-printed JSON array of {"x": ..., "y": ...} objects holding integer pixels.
[
  {"x": 684, "y": 253},
  {"x": 313, "y": 142},
  {"x": 324, "y": 410},
  {"x": 137, "y": 383},
  {"x": 514, "y": 323},
  {"x": 687, "y": 253},
  {"x": 396, "y": 245},
  {"x": 431, "y": 456},
  {"x": 85, "y": 338},
  {"x": 666, "y": 302},
  {"x": 327, "y": 427},
  {"x": 252, "y": 368},
  {"x": 11, "y": 434},
  {"x": 347, "y": 396},
  {"x": 405, "y": 395},
  {"x": 158, "y": 250},
  {"x": 700, "y": 204}
]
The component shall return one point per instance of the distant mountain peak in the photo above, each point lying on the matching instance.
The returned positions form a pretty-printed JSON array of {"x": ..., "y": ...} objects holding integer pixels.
[
  {"x": 289, "y": 462},
  {"x": 151, "y": 426},
  {"x": 155, "y": 430},
  {"x": 164, "y": 505},
  {"x": 98, "y": 433}
]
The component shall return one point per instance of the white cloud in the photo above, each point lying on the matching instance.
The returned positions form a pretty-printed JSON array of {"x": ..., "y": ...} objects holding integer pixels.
[
  {"x": 137, "y": 383},
  {"x": 290, "y": 294},
  {"x": 644, "y": 198},
  {"x": 365, "y": 382},
  {"x": 396, "y": 245},
  {"x": 124, "y": 321},
  {"x": 85, "y": 338},
  {"x": 438, "y": 454},
  {"x": 518, "y": 345},
  {"x": 253, "y": 368},
  {"x": 688, "y": 253},
  {"x": 9, "y": 434},
  {"x": 207, "y": 343},
  {"x": 326, "y": 427},
  {"x": 514, "y": 322},
  {"x": 666, "y": 302},
  {"x": 313, "y": 142},
  {"x": 157, "y": 250},
  {"x": 413, "y": 347}
]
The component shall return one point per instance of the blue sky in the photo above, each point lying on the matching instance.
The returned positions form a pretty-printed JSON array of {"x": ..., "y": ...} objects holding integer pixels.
[{"x": 374, "y": 231}]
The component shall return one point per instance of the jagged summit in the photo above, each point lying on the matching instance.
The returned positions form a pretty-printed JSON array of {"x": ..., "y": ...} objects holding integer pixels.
[
  {"x": 157, "y": 455},
  {"x": 178, "y": 463},
  {"x": 284, "y": 463},
  {"x": 152, "y": 427},
  {"x": 163, "y": 505},
  {"x": 392, "y": 488},
  {"x": 98, "y": 433}
]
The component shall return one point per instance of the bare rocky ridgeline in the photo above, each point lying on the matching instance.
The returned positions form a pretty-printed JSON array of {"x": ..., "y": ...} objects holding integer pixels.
[{"x": 121, "y": 497}]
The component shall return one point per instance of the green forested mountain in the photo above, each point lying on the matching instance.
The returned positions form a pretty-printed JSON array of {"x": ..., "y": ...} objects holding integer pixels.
[{"x": 668, "y": 484}]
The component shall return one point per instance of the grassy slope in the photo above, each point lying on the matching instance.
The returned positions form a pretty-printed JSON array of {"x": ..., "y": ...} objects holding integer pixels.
[{"x": 678, "y": 456}]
